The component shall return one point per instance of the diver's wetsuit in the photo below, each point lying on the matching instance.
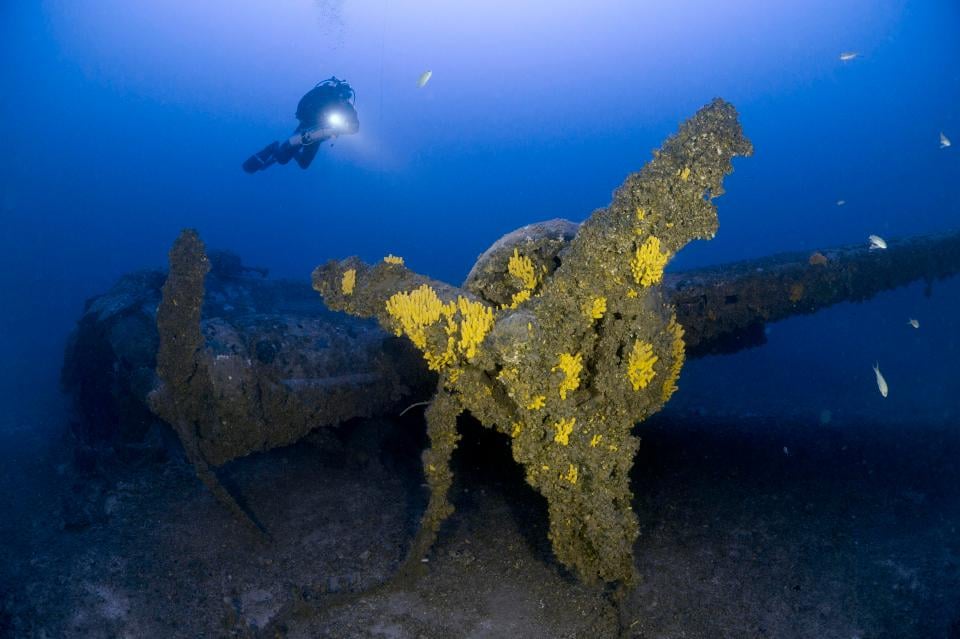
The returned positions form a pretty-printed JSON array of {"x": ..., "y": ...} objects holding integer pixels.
[{"x": 325, "y": 112}]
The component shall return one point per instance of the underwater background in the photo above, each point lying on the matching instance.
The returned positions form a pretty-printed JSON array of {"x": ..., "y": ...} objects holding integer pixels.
[{"x": 125, "y": 122}]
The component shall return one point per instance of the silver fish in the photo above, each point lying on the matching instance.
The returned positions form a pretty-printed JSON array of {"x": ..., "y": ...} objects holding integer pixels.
[
  {"x": 914, "y": 323},
  {"x": 944, "y": 141},
  {"x": 424, "y": 78},
  {"x": 876, "y": 242},
  {"x": 881, "y": 382},
  {"x": 847, "y": 56}
]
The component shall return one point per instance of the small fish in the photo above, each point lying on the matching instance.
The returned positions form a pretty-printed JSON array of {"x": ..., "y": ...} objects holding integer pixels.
[
  {"x": 877, "y": 242},
  {"x": 944, "y": 141},
  {"x": 847, "y": 56},
  {"x": 841, "y": 202},
  {"x": 786, "y": 451},
  {"x": 424, "y": 78},
  {"x": 914, "y": 323},
  {"x": 881, "y": 382}
]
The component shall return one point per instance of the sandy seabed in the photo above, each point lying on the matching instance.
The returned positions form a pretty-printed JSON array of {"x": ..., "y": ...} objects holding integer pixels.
[{"x": 749, "y": 528}]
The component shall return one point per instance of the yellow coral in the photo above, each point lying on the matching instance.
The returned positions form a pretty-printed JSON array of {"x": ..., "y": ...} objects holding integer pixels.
[
  {"x": 415, "y": 311},
  {"x": 476, "y": 320},
  {"x": 597, "y": 308},
  {"x": 519, "y": 298},
  {"x": 685, "y": 173},
  {"x": 572, "y": 474},
  {"x": 640, "y": 365},
  {"x": 564, "y": 427},
  {"x": 420, "y": 308},
  {"x": 632, "y": 294},
  {"x": 595, "y": 440},
  {"x": 438, "y": 361},
  {"x": 537, "y": 402},
  {"x": 678, "y": 352},
  {"x": 517, "y": 427},
  {"x": 570, "y": 366},
  {"x": 393, "y": 259},
  {"x": 348, "y": 281},
  {"x": 521, "y": 267},
  {"x": 640, "y": 214},
  {"x": 648, "y": 262}
]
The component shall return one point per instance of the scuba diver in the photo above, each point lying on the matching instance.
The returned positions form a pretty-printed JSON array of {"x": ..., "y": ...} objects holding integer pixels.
[{"x": 325, "y": 112}]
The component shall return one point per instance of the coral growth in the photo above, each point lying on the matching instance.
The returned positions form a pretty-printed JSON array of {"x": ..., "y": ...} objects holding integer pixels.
[
  {"x": 678, "y": 355},
  {"x": 597, "y": 308},
  {"x": 521, "y": 267},
  {"x": 413, "y": 312},
  {"x": 348, "y": 281},
  {"x": 640, "y": 365},
  {"x": 563, "y": 429},
  {"x": 563, "y": 349},
  {"x": 648, "y": 262},
  {"x": 570, "y": 366},
  {"x": 443, "y": 331}
]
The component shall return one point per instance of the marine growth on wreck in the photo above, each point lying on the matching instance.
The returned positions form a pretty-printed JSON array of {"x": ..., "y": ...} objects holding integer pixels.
[{"x": 564, "y": 354}]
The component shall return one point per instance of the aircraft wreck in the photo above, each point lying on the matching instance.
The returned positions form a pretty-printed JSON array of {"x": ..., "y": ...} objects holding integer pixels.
[{"x": 562, "y": 338}]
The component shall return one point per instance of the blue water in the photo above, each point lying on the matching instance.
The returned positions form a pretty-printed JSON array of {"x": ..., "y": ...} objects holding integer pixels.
[{"x": 124, "y": 123}]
